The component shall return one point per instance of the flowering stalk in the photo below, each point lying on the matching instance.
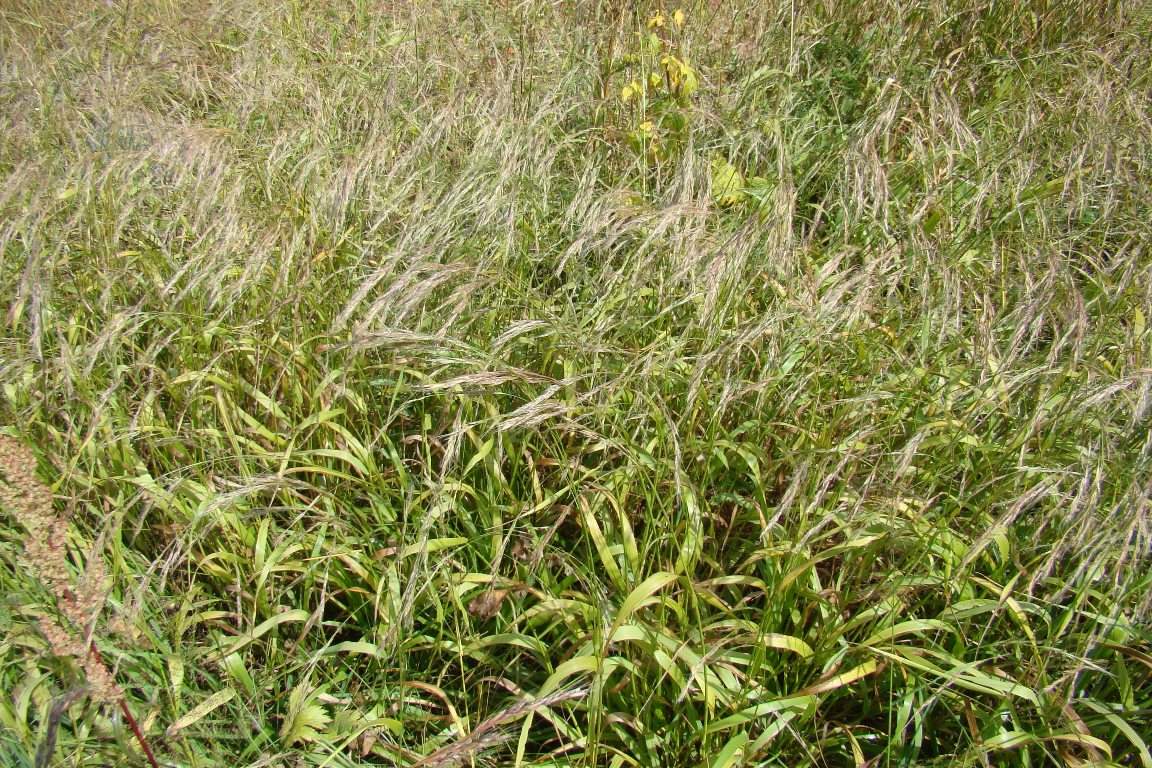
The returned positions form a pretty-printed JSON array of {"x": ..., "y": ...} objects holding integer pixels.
[{"x": 78, "y": 601}]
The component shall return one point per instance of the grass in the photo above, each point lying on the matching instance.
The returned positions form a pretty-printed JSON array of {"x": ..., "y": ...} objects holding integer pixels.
[{"x": 563, "y": 384}]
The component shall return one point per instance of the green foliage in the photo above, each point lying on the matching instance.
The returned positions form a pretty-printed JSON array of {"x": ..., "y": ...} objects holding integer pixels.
[{"x": 781, "y": 400}]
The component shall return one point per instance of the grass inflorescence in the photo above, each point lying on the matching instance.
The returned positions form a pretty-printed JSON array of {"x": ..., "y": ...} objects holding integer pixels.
[{"x": 623, "y": 384}]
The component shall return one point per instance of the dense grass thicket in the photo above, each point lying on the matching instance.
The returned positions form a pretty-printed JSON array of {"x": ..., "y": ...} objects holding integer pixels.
[{"x": 607, "y": 384}]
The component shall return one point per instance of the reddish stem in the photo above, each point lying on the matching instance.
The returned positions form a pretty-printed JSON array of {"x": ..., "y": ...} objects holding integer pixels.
[{"x": 127, "y": 713}]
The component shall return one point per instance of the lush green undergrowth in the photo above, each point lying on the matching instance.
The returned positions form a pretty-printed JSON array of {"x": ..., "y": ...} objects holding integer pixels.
[{"x": 576, "y": 383}]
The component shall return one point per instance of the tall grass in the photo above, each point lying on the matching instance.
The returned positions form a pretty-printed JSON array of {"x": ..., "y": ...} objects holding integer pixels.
[{"x": 419, "y": 404}]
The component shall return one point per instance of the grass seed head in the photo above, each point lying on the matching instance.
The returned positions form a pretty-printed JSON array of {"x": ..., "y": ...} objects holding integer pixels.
[{"x": 45, "y": 551}]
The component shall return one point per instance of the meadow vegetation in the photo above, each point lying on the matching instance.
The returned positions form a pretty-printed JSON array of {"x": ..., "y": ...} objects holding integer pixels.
[{"x": 614, "y": 384}]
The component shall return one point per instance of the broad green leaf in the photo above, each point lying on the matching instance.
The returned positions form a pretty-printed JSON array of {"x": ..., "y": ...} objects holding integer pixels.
[
  {"x": 297, "y": 614},
  {"x": 792, "y": 703},
  {"x": 1120, "y": 724},
  {"x": 640, "y": 597},
  {"x": 914, "y": 626},
  {"x": 607, "y": 559},
  {"x": 732, "y": 752},
  {"x": 580, "y": 665},
  {"x": 354, "y": 647}
]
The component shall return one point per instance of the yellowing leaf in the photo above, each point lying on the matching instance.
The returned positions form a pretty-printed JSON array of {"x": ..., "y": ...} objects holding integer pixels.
[
  {"x": 200, "y": 711},
  {"x": 840, "y": 680},
  {"x": 672, "y": 68},
  {"x": 787, "y": 643},
  {"x": 727, "y": 183},
  {"x": 690, "y": 82},
  {"x": 678, "y": 18},
  {"x": 656, "y": 21}
]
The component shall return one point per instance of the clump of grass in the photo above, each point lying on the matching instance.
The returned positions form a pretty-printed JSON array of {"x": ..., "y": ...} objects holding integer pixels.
[{"x": 777, "y": 373}]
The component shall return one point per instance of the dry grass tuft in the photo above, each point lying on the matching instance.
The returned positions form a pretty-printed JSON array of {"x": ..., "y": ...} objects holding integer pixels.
[{"x": 490, "y": 733}]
